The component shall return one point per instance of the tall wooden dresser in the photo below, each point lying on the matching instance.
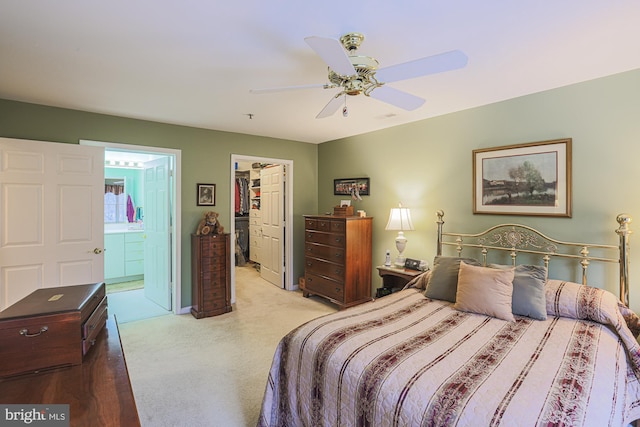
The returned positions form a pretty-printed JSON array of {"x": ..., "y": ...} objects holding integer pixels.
[
  {"x": 338, "y": 258},
  {"x": 210, "y": 275}
]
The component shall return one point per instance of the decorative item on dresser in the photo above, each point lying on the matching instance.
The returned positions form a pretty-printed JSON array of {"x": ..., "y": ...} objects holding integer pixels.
[
  {"x": 51, "y": 327},
  {"x": 338, "y": 258},
  {"x": 210, "y": 275}
]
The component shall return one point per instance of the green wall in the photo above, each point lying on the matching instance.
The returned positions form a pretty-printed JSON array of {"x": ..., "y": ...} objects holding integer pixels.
[
  {"x": 427, "y": 165},
  {"x": 206, "y": 157}
]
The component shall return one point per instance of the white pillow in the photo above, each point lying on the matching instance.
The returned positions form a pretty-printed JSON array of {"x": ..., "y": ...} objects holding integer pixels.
[{"x": 486, "y": 291}]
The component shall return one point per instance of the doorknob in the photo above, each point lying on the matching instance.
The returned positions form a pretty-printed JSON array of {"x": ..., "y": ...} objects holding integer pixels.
[{"x": 97, "y": 251}]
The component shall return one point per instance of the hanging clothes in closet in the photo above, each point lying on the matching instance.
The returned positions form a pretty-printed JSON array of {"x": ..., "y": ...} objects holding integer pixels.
[{"x": 242, "y": 196}]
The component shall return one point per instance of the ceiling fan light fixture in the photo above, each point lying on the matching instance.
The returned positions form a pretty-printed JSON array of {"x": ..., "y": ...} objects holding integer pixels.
[
  {"x": 359, "y": 74},
  {"x": 351, "y": 41}
]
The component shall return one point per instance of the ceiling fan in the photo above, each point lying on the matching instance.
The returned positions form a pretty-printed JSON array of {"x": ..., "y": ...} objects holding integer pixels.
[{"x": 357, "y": 74}]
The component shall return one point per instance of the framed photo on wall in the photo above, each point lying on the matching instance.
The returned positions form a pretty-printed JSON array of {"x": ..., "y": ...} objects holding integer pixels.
[
  {"x": 206, "y": 195},
  {"x": 348, "y": 186},
  {"x": 523, "y": 179}
]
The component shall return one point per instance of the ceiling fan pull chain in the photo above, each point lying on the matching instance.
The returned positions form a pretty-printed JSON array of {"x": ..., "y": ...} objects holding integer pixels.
[{"x": 345, "y": 111}]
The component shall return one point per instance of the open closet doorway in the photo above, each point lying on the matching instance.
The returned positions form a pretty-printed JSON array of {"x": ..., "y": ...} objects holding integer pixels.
[
  {"x": 265, "y": 199},
  {"x": 142, "y": 216}
]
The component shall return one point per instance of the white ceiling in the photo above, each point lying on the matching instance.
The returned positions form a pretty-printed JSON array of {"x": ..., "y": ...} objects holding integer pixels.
[{"x": 193, "y": 62}]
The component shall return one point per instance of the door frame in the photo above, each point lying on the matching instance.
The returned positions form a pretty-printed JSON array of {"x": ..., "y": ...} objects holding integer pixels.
[
  {"x": 289, "y": 283},
  {"x": 176, "y": 212}
]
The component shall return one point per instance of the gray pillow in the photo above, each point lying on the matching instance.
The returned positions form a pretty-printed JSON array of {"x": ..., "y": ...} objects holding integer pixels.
[
  {"x": 528, "y": 290},
  {"x": 443, "y": 282}
]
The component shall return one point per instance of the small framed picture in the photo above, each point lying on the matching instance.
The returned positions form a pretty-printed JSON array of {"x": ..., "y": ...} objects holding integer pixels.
[{"x": 206, "y": 195}]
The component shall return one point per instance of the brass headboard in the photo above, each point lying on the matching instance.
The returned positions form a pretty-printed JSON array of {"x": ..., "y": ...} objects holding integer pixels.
[{"x": 518, "y": 238}]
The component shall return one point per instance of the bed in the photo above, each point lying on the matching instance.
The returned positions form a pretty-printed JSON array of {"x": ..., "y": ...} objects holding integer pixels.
[{"x": 422, "y": 357}]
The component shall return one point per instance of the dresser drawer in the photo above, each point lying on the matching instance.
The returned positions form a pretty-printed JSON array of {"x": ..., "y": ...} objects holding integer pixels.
[
  {"x": 328, "y": 253},
  {"x": 215, "y": 304},
  {"x": 214, "y": 279},
  {"x": 133, "y": 251},
  {"x": 255, "y": 232},
  {"x": 338, "y": 227},
  {"x": 318, "y": 224},
  {"x": 134, "y": 237},
  {"x": 212, "y": 264},
  {"x": 324, "y": 268},
  {"x": 323, "y": 286},
  {"x": 213, "y": 248},
  {"x": 325, "y": 238},
  {"x": 133, "y": 268}
]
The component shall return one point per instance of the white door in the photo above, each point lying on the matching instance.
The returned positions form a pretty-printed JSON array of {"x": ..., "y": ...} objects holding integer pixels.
[
  {"x": 52, "y": 216},
  {"x": 157, "y": 242},
  {"x": 272, "y": 212}
]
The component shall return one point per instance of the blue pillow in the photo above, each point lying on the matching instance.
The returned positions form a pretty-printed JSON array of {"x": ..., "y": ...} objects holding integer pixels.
[
  {"x": 528, "y": 290},
  {"x": 443, "y": 282}
]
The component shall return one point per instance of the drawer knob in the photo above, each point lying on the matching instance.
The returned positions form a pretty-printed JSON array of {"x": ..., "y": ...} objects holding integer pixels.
[
  {"x": 25, "y": 332},
  {"x": 337, "y": 290}
]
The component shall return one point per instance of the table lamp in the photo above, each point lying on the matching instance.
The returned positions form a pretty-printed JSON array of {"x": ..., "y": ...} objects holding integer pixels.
[{"x": 400, "y": 221}]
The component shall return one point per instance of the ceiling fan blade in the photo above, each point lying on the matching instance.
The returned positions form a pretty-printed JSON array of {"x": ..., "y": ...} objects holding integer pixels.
[
  {"x": 397, "y": 97},
  {"x": 287, "y": 88},
  {"x": 424, "y": 66},
  {"x": 331, "y": 107},
  {"x": 332, "y": 53}
]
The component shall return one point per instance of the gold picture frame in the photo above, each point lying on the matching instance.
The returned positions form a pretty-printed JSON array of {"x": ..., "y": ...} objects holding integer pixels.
[{"x": 523, "y": 179}]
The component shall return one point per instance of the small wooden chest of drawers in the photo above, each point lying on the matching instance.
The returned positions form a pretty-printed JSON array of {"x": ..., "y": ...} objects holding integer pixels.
[
  {"x": 210, "y": 275},
  {"x": 51, "y": 327},
  {"x": 338, "y": 258}
]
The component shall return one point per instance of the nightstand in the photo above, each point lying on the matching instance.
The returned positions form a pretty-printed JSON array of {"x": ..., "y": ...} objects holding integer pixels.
[{"x": 395, "y": 279}]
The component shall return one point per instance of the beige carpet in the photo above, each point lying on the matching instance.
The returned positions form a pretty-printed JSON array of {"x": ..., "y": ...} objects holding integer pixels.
[{"x": 213, "y": 371}]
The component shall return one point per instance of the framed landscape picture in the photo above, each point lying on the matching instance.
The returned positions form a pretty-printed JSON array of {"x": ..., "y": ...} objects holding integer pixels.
[{"x": 523, "y": 179}]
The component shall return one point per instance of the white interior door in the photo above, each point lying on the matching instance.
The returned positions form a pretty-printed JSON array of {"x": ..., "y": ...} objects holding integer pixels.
[
  {"x": 157, "y": 227},
  {"x": 272, "y": 212},
  {"x": 52, "y": 216}
]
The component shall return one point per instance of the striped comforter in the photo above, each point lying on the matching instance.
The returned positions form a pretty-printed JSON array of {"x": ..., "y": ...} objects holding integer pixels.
[{"x": 405, "y": 360}]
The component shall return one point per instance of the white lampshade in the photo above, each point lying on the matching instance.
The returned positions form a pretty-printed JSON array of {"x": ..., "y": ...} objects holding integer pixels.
[{"x": 400, "y": 220}]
